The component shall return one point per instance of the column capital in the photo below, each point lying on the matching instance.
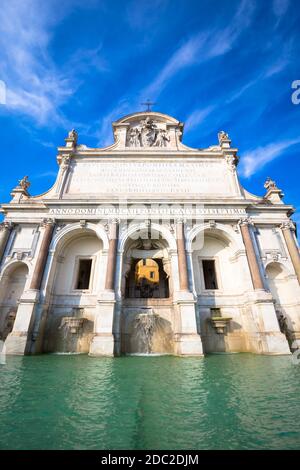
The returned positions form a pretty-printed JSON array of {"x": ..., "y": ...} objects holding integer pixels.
[
  {"x": 6, "y": 226},
  {"x": 246, "y": 221},
  {"x": 47, "y": 222},
  {"x": 180, "y": 228},
  {"x": 113, "y": 220},
  {"x": 64, "y": 157},
  {"x": 111, "y": 228},
  {"x": 288, "y": 225},
  {"x": 231, "y": 160},
  {"x": 5, "y": 231},
  {"x": 180, "y": 220}
]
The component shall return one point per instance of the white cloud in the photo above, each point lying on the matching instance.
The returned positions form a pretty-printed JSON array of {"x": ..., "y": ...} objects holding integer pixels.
[
  {"x": 35, "y": 85},
  {"x": 186, "y": 55},
  {"x": 46, "y": 174},
  {"x": 195, "y": 50},
  {"x": 82, "y": 59},
  {"x": 273, "y": 67},
  {"x": 202, "y": 47},
  {"x": 256, "y": 159},
  {"x": 197, "y": 117}
]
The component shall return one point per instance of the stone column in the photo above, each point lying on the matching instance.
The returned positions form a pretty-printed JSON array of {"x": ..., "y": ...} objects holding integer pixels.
[
  {"x": 182, "y": 263},
  {"x": 287, "y": 231},
  {"x": 112, "y": 256},
  {"x": 187, "y": 339},
  {"x": 18, "y": 341},
  {"x": 5, "y": 229},
  {"x": 42, "y": 256},
  {"x": 266, "y": 337},
  {"x": 251, "y": 255},
  {"x": 103, "y": 342}
]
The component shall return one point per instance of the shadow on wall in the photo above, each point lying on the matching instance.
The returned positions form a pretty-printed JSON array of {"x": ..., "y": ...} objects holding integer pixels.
[
  {"x": 68, "y": 332},
  {"x": 11, "y": 289}
]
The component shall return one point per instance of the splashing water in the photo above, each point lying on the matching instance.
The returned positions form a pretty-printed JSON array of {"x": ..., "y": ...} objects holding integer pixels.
[
  {"x": 148, "y": 327},
  {"x": 144, "y": 326}
]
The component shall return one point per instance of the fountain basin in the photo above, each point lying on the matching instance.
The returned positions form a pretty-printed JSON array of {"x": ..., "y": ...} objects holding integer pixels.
[
  {"x": 220, "y": 324},
  {"x": 74, "y": 325}
]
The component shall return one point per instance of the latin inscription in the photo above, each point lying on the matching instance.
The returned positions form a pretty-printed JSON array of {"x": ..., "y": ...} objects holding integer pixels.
[
  {"x": 149, "y": 177},
  {"x": 112, "y": 211}
]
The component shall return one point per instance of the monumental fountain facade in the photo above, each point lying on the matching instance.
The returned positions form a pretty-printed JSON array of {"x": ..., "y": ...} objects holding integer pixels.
[{"x": 148, "y": 246}]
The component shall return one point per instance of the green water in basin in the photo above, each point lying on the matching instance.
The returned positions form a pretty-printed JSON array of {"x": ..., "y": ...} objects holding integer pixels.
[{"x": 238, "y": 401}]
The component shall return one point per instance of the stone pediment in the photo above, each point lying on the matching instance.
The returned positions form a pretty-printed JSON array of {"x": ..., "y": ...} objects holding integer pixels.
[{"x": 148, "y": 131}]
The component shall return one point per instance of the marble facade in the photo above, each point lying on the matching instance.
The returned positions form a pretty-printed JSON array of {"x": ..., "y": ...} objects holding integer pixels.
[{"x": 148, "y": 196}]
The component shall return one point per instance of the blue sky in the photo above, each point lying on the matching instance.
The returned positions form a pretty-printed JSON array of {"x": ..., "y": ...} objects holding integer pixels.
[{"x": 212, "y": 64}]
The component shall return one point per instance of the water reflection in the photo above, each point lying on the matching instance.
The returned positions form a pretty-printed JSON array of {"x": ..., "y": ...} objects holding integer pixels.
[{"x": 218, "y": 402}]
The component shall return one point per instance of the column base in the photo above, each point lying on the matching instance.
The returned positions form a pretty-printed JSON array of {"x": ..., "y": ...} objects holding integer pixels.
[
  {"x": 15, "y": 343},
  {"x": 268, "y": 338},
  {"x": 270, "y": 343},
  {"x": 102, "y": 345},
  {"x": 188, "y": 345},
  {"x": 187, "y": 339},
  {"x": 296, "y": 341}
]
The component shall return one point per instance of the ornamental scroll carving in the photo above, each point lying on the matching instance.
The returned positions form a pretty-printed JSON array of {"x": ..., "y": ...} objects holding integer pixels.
[
  {"x": 147, "y": 134},
  {"x": 288, "y": 225}
]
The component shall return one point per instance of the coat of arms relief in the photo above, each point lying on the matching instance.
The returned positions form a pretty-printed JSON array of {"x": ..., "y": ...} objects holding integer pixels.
[{"x": 147, "y": 134}]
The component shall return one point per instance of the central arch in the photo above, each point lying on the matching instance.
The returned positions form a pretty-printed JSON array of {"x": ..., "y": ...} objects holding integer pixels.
[{"x": 146, "y": 287}]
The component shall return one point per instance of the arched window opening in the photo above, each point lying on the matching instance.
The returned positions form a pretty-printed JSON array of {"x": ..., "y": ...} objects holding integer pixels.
[{"x": 147, "y": 279}]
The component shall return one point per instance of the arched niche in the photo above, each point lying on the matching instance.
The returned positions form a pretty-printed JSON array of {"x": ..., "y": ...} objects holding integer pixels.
[
  {"x": 279, "y": 285},
  {"x": 12, "y": 286},
  {"x": 76, "y": 254},
  {"x": 215, "y": 264},
  {"x": 76, "y": 279},
  {"x": 287, "y": 303}
]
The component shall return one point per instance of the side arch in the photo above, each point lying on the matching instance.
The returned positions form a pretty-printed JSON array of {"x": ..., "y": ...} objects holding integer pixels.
[
  {"x": 61, "y": 239},
  {"x": 70, "y": 230},
  {"x": 286, "y": 296},
  {"x": 221, "y": 231},
  {"x": 10, "y": 266},
  {"x": 12, "y": 285}
]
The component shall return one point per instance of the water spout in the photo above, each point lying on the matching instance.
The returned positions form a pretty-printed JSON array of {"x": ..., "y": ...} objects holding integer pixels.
[
  {"x": 150, "y": 334},
  {"x": 70, "y": 329}
]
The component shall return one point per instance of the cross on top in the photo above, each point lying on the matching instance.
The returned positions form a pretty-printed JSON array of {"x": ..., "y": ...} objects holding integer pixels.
[{"x": 148, "y": 103}]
